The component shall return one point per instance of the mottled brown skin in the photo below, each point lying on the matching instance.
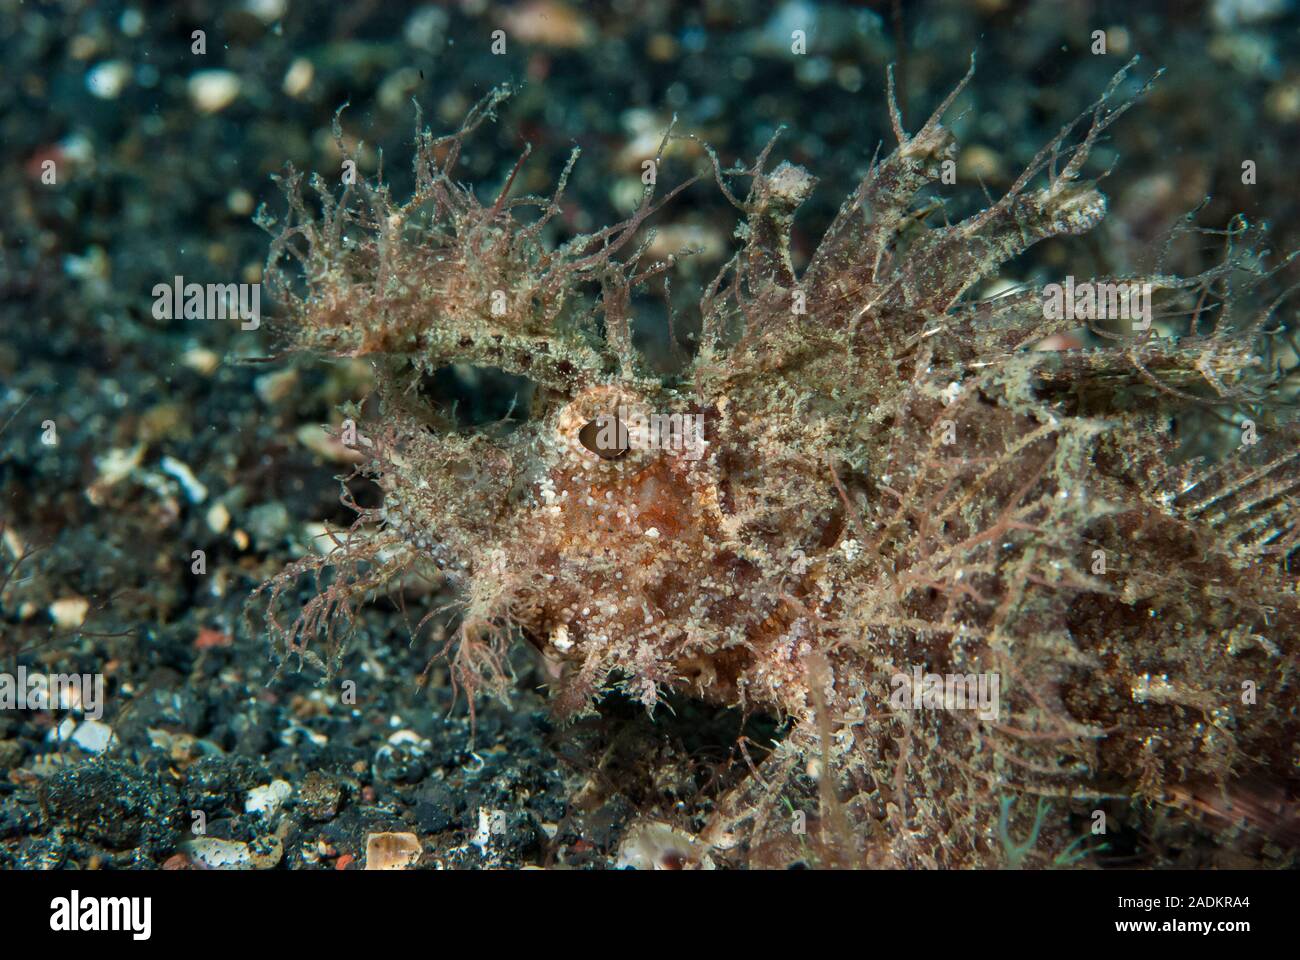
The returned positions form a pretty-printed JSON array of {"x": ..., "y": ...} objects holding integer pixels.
[{"x": 892, "y": 478}]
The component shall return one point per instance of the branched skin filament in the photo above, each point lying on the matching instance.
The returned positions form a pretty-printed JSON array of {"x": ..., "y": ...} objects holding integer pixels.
[{"x": 866, "y": 487}]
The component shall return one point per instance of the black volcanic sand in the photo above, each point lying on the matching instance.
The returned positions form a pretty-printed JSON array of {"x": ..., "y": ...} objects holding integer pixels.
[{"x": 176, "y": 436}]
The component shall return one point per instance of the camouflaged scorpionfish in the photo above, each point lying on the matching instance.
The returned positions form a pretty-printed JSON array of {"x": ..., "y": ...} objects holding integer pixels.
[{"x": 887, "y": 483}]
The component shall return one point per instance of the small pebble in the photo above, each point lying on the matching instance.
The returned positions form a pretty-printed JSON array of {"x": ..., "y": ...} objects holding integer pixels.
[
  {"x": 218, "y": 517},
  {"x": 211, "y": 91},
  {"x": 218, "y": 854},
  {"x": 391, "y": 851},
  {"x": 69, "y": 613},
  {"x": 267, "y": 799},
  {"x": 298, "y": 78},
  {"x": 108, "y": 80}
]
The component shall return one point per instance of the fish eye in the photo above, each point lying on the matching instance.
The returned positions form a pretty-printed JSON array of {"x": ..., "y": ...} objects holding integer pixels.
[{"x": 604, "y": 436}]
